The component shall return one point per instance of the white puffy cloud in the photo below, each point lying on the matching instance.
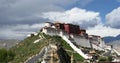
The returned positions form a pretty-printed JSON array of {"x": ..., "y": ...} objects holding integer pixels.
[
  {"x": 103, "y": 31},
  {"x": 75, "y": 15},
  {"x": 113, "y": 18},
  {"x": 110, "y": 28}
]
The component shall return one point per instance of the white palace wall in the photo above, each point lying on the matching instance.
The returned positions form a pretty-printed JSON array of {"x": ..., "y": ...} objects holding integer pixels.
[{"x": 80, "y": 40}]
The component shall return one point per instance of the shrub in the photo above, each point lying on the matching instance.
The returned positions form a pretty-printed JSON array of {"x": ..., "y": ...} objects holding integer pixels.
[
  {"x": 102, "y": 58},
  {"x": 110, "y": 58}
]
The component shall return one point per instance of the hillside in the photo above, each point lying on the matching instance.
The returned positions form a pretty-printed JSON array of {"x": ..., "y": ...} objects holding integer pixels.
[
  {"x": 111, "y": 39},
  {"x": 34, "y": 44},
  {"x": 55, "y": 45},
  {"x": 7, "y": 43}
]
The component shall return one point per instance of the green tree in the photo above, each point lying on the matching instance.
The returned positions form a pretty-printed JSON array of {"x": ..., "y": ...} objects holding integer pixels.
[
  {"x": 3, "y": 55},
  {"x": 6, "y": 55},
  {"x": 10, "y": 55},
  {"x": 110, "y": 58}
]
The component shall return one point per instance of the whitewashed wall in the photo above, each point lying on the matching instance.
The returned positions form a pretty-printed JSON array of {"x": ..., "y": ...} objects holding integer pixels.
[{"x": 82, "y": 41}]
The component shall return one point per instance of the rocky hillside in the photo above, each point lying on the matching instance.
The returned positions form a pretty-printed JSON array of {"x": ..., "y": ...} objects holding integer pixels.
[{"x": 33, "y": 45}]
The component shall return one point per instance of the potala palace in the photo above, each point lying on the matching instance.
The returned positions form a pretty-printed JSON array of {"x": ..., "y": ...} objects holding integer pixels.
[{"x": 73, "y": 34}]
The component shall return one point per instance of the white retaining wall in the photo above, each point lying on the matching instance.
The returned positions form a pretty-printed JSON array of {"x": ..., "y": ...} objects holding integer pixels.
[
  {"x": 79, "y": 51},
  {"x": 53, "y": 31},
  {"x": 82, "y": 41}
]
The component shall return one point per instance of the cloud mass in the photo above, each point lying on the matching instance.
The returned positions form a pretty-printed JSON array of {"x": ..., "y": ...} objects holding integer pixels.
[
  {"x": 113, "y": 18},
  {"x": 75, "y": 15},
  {"x": 21, "y": 17},
  {"x": 103, "y": 31}
]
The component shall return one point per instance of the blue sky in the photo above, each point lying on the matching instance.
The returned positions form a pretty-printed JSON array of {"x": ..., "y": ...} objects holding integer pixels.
[
  {"x": 103, "y": 6},
  {"x": 21, "y": 17}
]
